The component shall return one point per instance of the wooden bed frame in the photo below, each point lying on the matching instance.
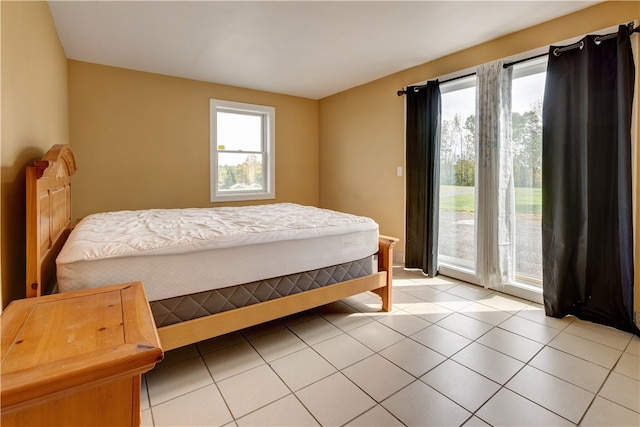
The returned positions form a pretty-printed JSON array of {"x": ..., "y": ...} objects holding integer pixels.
[{"x": 49, "y": 224}]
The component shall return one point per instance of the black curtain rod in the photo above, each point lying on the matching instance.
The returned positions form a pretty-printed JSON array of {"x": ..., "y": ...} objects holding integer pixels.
[
  {"x": 417, "y": 88},
  {"x": 557, "y": 51},
  {"x": 511, "y": 64}
]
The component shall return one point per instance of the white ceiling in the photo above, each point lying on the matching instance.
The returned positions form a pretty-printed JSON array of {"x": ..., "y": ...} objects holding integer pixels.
[{"x": 302, "y": 48}]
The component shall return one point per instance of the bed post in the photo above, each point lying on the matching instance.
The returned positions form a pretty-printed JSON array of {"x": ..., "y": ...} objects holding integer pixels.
[{"x": 385, "y": 263}]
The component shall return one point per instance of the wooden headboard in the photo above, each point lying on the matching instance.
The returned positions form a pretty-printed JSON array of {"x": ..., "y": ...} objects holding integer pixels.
[{"x": 48, "y": 216}]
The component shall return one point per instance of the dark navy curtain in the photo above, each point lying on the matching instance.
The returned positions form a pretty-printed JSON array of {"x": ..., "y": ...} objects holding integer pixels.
[
  {"x": 423, "y": 177},
  {"x": 586, "y": 173}
]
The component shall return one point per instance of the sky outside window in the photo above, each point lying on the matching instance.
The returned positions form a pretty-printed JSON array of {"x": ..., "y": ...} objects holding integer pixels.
[{"x": 239, "y": 132}]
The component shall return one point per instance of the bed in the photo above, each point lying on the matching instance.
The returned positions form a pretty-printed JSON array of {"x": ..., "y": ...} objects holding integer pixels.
[{"x": 199, "y": 273}]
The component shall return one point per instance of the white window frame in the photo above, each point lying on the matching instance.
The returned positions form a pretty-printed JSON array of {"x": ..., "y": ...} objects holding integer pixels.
[{"x": 268, "y": 115}]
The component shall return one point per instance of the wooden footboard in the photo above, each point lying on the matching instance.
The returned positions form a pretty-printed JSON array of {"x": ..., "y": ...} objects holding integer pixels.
[{"x": 184, "y": 333}]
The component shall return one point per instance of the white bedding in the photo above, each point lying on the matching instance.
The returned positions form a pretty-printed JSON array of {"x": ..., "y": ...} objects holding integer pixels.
[{"x": 183, "y": 251}]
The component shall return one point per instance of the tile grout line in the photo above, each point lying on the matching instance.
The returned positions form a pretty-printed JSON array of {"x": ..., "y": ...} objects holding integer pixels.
[{"x": 226, "y": 404}]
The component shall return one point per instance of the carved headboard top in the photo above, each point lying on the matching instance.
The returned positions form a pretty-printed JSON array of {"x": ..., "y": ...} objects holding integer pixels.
[
  {"x": 58, "y": 162},
  {"x": 48, "y": 217}
]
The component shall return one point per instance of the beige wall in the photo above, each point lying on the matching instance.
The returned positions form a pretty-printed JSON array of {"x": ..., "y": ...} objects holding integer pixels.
[
  {"x": 34, "y": 117},
  {"x": 362, "y": 129},
  {"x": 141, "y": 140}
]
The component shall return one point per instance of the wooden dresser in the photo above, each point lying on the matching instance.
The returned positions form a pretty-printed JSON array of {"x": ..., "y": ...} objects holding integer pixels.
[{"x": 77, "y": 358}]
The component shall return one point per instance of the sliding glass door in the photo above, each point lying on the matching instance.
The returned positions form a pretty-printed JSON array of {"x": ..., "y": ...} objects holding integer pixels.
[
  {"x": 527, "y": 94},
  {"x": 458, "y": 192},
  {"x": 456, "y": 243}
]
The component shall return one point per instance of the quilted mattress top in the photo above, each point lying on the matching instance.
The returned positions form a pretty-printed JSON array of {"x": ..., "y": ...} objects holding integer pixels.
[{"x": 175, "y": 231}]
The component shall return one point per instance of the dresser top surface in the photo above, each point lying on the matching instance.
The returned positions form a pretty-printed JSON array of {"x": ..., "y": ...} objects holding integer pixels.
[{"x": 76, "y": 338}]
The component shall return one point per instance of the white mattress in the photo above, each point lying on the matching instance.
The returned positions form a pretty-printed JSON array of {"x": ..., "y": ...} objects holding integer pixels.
[{"x": 183, "y": 251}]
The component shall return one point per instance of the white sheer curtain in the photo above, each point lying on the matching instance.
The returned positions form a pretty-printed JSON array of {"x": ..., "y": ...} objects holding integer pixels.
[{"x": 495, "y": 201}]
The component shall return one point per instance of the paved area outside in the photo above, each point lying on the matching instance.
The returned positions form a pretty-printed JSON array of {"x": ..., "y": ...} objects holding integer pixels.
[{"x": 456, "y": 239}]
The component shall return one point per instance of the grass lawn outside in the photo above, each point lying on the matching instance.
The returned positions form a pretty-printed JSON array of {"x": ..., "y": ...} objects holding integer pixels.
[{"x": 462, "y": 199}]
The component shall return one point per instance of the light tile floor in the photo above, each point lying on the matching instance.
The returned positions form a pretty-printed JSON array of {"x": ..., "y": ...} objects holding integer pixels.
[{"x": 449, "y": 353}]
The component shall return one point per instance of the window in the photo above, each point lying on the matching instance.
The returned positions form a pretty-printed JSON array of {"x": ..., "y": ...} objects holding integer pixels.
[
  {"x": 456, "y": 242},
  {"x": 526, "y": 124},
  {"x": 242, "y": 138},
  {"x": 457, "y": 217}
]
